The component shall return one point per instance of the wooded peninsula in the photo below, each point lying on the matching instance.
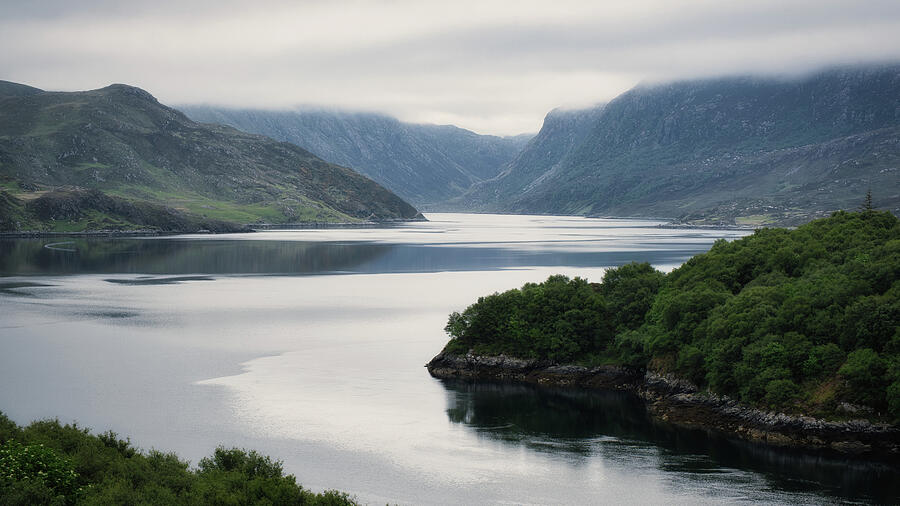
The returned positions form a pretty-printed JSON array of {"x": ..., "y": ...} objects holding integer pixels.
[{"x": 802, "y": 322}]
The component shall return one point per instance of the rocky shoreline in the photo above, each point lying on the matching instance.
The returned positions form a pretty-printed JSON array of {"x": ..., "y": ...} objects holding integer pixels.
[{"x": 679, "y": 402}]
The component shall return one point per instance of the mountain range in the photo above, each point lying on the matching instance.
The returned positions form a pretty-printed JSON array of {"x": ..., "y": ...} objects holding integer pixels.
[
  {"x": 746, "y": 151},
  {"x": 738, "y": 150},
  {"x": 117, "y": 158},
  {"x": 424, "y": 164}
]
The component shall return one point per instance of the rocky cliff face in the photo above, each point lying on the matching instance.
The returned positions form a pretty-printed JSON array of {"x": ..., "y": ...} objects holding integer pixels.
[
  {"x": 122, "y": 141},
  {"x": 425, "y": 164},
  {"x": 724, "y": 151}
]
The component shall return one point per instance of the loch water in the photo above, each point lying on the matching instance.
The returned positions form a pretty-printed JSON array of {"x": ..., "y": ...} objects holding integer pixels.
[{"x": 309, "y": 346}]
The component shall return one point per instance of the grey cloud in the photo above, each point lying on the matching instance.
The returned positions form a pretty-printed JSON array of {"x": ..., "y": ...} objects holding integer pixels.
[
  {"x": 574, "y": 46},
  {"x": 497, "y": 70}
]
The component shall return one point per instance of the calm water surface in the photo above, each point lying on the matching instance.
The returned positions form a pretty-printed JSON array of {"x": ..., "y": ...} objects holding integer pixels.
[{"x": 309, "y": 346}]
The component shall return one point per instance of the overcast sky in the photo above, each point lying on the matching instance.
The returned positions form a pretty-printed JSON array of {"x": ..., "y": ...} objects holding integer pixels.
[{"x": 493, "y": 67}]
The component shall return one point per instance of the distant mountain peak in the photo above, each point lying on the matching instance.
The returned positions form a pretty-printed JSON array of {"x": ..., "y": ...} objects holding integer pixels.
[{"x": 130, "y": 91}]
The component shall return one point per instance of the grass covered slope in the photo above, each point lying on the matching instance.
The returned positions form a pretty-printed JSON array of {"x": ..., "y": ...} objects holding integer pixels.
[
  {"x": 50, "y": 463},
  {"x": 76, "y": 210},
  {"x": 120, "y": 140},
  {"x": 804, "y": 320}
]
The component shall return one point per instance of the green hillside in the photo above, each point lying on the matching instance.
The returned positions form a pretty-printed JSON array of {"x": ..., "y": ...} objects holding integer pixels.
[
  {"x": 804, "y": 320},
  {"x": 121, "y": 141}
]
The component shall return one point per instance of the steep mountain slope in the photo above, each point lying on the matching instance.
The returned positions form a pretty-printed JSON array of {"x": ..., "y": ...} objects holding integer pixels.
[
  {"x": 734, "y": 150},
  {"x": 541, "y": 158},
  {"x": 424, "y": 164},
  {"x": 122, "y": 141}
]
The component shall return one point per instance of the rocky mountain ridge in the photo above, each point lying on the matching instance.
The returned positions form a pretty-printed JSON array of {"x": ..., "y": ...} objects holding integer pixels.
[{"x": 729, "y": 151}]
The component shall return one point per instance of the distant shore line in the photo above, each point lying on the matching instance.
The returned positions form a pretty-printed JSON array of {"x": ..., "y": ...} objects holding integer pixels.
[
  {"x": 91, "y": 233},
  {"x": 249, "y": 228},
  {"x": 679, "y": 402},
  {"x": 314, "y": 225}
]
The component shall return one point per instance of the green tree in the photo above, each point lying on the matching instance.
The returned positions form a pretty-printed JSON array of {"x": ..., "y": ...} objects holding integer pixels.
[
  {"x": 864, "y": 372},
  {"x": 629, "y": 291}
]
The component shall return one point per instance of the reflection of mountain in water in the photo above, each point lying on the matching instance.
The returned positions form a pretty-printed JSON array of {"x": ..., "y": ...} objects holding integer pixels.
[
  {"x": 427, "y": 258},
  {"x": 608, "y": 423},
  {"x": 173, "y": 256},
  {"x": 213, "y": 256}
]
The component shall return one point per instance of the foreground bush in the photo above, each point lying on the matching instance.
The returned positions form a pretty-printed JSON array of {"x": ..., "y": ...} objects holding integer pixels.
[{"x": 50, "y": 463}]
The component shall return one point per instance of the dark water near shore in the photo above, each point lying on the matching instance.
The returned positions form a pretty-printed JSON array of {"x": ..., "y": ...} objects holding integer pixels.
[
  {"x": 573, "y": 418},
  {"x": 309, "y": 346}
]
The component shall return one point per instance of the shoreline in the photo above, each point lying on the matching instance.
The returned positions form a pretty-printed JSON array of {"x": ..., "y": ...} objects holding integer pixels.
[
  {"x": 265, "y": 227},
  {"x": 680, "y": 403},
  {"x": 93, "y": 233},
  {"x": 246, "y": 229}
]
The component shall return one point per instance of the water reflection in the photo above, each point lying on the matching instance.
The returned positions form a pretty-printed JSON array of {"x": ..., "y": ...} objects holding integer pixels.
[
  {"x": 236, "y": 256},
  {"x": 615, "y": 425},
  {"x": 175, "y": 256}
]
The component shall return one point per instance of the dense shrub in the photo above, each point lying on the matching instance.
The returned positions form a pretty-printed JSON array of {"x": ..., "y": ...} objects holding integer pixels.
[
  {"x": 34, "y": 474},
  {"x": 50, "y": 463}
]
